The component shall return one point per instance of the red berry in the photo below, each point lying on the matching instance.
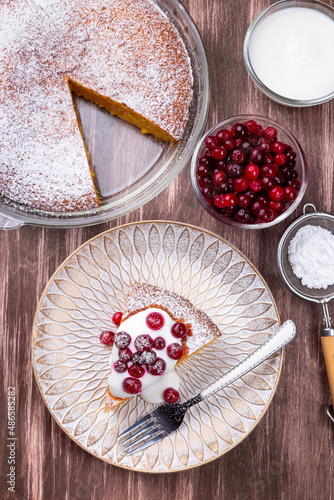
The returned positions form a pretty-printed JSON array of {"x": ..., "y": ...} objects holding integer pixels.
[
  {"x": 137, "y": 359},
  {"x": 149, "y": 356},
  {"x": 209, "y": 191},
  {"x": 203, "y": 170},
  {"x": 136, "y": 371},
  {"x": 252, "y": 126},
  {"x": 267, "y": 182},
  {"x": 224, "y": 134},
  {"x": 143, "y": 342},
  {"x": 117, "y": 318},
  {"x": 230, "y": 200},
  {"x": 238, "y": 156},
  {"x": 229, "y": 144},
  {"x": 211, "y": 142},
  {"x": 175, "y": 351},
  {"x": 107, "y": 337},
  {"x": 219, "y": 177},
  {"x": 252, "y": 171},
  {"x": 179, "y": 330},
  {"x": 240, "y": 184},
  {"x": 280, "y": 159},
  {"x": 157, "y": 368},
  {"x": 257, "y": 155},
  {"x": 122, "y": 340},
  {"x": 219, "y": 153},
  {"x": 256, "y": 206},
  {"x": 265, "y": 145},
  {"x": 171, "y": 395},
  {"x": 256, "y": 186},
  {"x": 278, "y": 147},
  {"x": 277, "y": 206},
  {"x": 239, "y": 130},
  {"x": 125, "y": 355},
  {"x": 155, "y": 320},
  {"x": 219, "y": 201},
  {"x": 244, "y": 200},
  {"x": 294, "y": 183},
  {"x": 264, "y": 215},
  {"x": 120, "y": 366},
  {"x": 290, "y": 194},
  {"x": 159, "y": 343},
  {"x": 132, "y": 385},
  {"x": 276, "y": 193},
  {"x": 270, "y": 133},
  {"x": 234, "y": 170}
]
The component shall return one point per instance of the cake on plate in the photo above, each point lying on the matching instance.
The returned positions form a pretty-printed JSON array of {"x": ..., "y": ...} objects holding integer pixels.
[
  {"x": 158, "y": 331},
  {"x": 123, "y": 55}
]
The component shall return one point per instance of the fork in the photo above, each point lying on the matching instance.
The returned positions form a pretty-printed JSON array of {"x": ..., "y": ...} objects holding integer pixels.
[{"x": 168, "y": 417}]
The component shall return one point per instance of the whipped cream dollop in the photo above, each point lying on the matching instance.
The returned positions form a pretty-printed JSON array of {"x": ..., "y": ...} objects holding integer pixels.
[{"x": 139, "y": 338}]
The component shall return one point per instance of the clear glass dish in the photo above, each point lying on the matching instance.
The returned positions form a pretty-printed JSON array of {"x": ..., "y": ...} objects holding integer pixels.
[
  {"x": 284, "y": 136},
  {"x": 278, "y": 6},
  {"x": 131, "y": 169}
]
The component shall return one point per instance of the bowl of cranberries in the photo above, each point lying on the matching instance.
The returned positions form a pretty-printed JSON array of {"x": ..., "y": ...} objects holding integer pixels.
[{"x": 249, "y": 172}]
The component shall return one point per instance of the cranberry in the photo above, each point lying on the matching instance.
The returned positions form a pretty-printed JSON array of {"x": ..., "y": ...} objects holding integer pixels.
[
  {"x": 224, "y": 134},
  {"x": 219, "y": 153},
  {"x": 256, "y": 186},
  {"x": 240, "y": 184},
  {"x": 290, "y": 194},
  {"x": 291, "y": 155},
  {"x": 234, "y": 170},
  {"x": 280, "y": 159},
  {"x": 143, "y": 342},
  {"x": 209, "y": 191},
  {"x": 268, "y": 170},
  {"x": 263, "y": 215},
  {"x": 136, "y": 371},
  {"x": 252, "y": 171},
  {"x": 229, "y": 144},
  {"x": 294, "y": 183},
  {"x": 229, "y": 211},
  {"x": 107, "y": 337},
  {"x": 203, "y": 170},
  {"x": 219, "y": 201},
  {"x": 278, "y": 147},
  {"x": 221, "y": 165},
  {"x": 257, "y": 155},
  {"x": 230, "y": 200},
  {"x": 122, "y": 340},
  {"x": 155, "y": 320},
  {"x": 149, "y": 356},
  {"x": 252, "y": 126},
  {"x": 272, "y": 215},
  {"x": 171, "y": 395},
  {"x": 132, "y": 385},
  {"x": 277, "y": 206},
  {"x": 244, "y": 215},
  {"x": 279, "y": 178},
  {"x": 259, "y": 131},
  {"x": 157, "y": 368},
  {"x": 270, "y": 133},
  {"x": 120, "y": 366},
  {"x": 256, "y": 206},
  {"x": 125, "y": 355},
  {"x": 137, "y": 359},
  {"x": 239, "y": 130},
  {"x": 244, "y": 200},
  {"x": 202, "y": 182},
  {"x": 211, "y": 142},
  {"x": 246, "y": 146},
  {"x": 208, "y": 155},
  {"x": 265, "y": 145},
  {"x": 267, "y": 182},
  {"x": 269, "y": 159},
  {"x": 175, "y": 350},
  {"x": 263, "y": 199},
  {"x": 238, "y": 156},
  {"x": 219, "y": 177},
  {"x": 205, "y": 161},
  {"x": 276, "y": 193},
  {"x": 159, "y": 343},
  {"x": 179, "y": 330},
  {"x": 117, "y": 318},
  {"x": 289, "y": 173}
]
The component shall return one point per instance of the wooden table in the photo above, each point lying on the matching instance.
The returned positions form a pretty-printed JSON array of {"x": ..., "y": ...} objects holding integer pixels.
[{"x": 290, "y": 453}]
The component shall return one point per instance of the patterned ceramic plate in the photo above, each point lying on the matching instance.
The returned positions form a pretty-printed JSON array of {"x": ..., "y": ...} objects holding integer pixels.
[{"x": 71, "y": 366}]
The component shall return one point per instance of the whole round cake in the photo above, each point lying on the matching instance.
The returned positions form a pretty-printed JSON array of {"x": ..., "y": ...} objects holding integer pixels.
[{"x": 123, "y": 55}]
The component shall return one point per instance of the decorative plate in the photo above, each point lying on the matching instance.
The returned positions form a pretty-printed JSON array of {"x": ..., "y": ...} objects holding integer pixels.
[{"x": 71, "y": 365}]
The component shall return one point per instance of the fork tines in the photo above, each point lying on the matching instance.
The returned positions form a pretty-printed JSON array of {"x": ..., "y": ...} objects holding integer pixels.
[{"x": 147, "y": 431}]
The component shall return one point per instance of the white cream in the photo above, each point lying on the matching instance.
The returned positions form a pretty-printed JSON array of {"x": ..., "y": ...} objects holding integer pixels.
[
  {"x": 136, "y": 325},
  {"x": 291, "y": 52}
]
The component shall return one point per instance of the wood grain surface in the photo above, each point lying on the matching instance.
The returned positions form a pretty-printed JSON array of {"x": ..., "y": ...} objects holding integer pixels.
[{"x": 290, "y": 454}]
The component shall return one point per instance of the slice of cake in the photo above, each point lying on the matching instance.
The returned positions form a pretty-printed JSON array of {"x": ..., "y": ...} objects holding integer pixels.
[
  {"x": 123, "y": 55},
  {"x": 159, "y": 330}
]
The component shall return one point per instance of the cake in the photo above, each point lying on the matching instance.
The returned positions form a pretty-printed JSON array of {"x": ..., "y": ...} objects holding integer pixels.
[
  {"x": 158, "y": 331},
  {"x": 123, "y": 55}
]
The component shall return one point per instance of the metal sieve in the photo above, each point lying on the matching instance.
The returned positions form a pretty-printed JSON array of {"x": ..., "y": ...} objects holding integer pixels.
[{"x": 321, "y": 296}]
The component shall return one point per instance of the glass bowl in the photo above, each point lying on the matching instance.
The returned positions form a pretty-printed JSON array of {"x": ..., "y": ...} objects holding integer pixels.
[
  {"x": 151, "y": 164},
  {"x": 276, "y": 7},
  {"x": 284, "y": 136}
]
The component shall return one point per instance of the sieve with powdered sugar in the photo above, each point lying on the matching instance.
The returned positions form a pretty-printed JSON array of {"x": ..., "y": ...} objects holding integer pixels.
[{"x": 305, "y": 259}]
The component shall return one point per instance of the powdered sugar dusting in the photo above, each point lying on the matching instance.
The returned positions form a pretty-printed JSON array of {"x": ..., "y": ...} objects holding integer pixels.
[
  {"x": 125, "y": 50},
  {"x": 144, "y": 295}
]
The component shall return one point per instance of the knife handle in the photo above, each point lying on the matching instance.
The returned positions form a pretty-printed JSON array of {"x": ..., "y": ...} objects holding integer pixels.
[{"x": 327, "y": 343}]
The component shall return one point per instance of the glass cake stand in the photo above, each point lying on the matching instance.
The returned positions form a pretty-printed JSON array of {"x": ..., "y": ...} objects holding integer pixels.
[{"x": 131, "y": 168}]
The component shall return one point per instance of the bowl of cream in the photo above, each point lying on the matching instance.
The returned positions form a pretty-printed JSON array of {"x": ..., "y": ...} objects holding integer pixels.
[{"x": 288, "y": 52}]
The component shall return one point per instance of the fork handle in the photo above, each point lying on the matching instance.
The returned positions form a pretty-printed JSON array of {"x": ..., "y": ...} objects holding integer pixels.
[{"x": 275, "y": 342}]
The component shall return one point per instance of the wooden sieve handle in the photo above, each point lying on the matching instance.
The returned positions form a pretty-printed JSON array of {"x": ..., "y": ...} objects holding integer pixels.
[{"x": 328, "y": 349}]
